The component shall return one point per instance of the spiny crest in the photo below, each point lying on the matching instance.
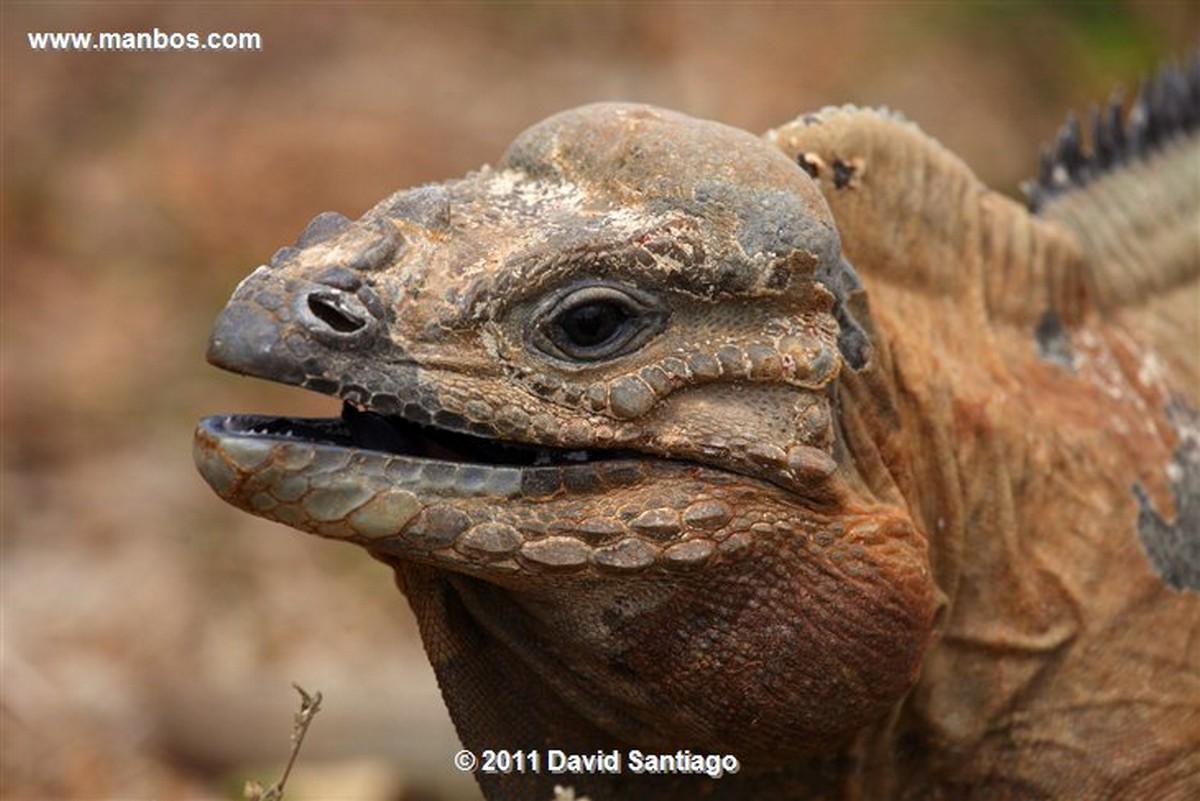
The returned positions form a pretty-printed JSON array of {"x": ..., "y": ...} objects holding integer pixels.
[{"x": 1167, "y": 106}]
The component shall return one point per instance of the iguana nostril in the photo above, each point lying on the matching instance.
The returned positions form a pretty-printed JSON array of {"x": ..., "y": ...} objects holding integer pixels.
[{"x": 331, "y": 313}]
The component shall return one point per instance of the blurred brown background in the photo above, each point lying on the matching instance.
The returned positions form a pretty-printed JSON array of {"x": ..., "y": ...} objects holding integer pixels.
[{"x": 149, "y": 632}]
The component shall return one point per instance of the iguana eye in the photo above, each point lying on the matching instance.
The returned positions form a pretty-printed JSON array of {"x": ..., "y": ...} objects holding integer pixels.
[
  {"x": 591, "y": 325},
  {"x": 597, "y": 322}
]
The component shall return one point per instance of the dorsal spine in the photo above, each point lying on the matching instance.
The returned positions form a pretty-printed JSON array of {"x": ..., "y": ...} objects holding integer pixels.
[{"x": 1167, "y": 107}]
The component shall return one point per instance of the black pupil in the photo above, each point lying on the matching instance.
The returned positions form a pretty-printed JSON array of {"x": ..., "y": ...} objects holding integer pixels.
[{"x": 593, "y": 324}]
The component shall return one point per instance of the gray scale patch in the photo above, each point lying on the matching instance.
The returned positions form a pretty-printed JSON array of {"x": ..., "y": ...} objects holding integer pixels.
[
  {"x": 1173, "y": 548},
  {"x": 386, "y": 514},
  {"x": 296, "y": 456},
  {"x": 293, "y": 516},
  {"x": 537, "y": 482},
  {"x": 765, "y": 363},
  {"x": 557, "y": 552},
  {"x": 478, "y": 411},
  {"x": 290, "y": 488},
  {"x": 738, "y": 541},
  {"x": 733, "y": 362},
  {"x": 247, "y": 453},
  {"x": 1053, "y": 341},
  {"x": 403, "y": 470},
  {"x": 661, "y": 522},
  {"x": 821, "y": 366},
  {"x": 630, "y": 397},
  {"x": 262, "y": 502},
  {"x": 766, "y": 453},
  {"x": 489, "y": 539},
  {"x": 599, "y": 527},
  {"x": 689, "y": 553},
  {"x": 707, "y": 515},
  {"x": 503, "y": 481},
  {"x": 703, "y": 365},
  {"x": 621, "y": 473},
  {"x": 335, "y": 530},
  {"x": 335, "y": 502},
  {"x": 438, "y": 475},
  {"x": 437, "y": 527},
  {"x": 656, "y": 378},
  {"x": 215, "y": 469},
  {"x": 676, "y": 369},
  {"x": 580, "y": 478},
  {"x": 329, "y": 460},
  {"x": 627, "y": 554},
  {"x": 474, "y": 480}
]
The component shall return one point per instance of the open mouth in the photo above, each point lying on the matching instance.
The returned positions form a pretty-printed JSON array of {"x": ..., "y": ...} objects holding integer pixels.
[{"x": 368, "y": 430}]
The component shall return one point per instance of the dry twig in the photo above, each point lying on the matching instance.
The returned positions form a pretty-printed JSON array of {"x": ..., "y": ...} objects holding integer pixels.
[{"x": 310, "y": 705}]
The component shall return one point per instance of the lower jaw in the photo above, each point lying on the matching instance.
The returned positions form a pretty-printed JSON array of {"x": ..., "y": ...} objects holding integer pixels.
[{"x": 606, "y": 516}]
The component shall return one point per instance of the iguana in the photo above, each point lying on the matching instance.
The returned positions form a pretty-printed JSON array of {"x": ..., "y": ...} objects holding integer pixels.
[{"x": 807, "y": 449}]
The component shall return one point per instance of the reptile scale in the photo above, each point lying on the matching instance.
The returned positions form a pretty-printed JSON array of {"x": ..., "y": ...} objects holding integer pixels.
[{"x": 809, "y": 449}]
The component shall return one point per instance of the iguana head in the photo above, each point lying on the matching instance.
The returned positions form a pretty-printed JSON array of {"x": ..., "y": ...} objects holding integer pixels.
[{"x": 591, "y": 391}]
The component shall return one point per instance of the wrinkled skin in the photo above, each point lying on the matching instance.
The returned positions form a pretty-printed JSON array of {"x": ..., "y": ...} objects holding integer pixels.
[{"x": 758, "y": 511}]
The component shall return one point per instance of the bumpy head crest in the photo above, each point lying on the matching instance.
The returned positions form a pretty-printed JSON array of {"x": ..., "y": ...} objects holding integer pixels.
[{"x": 638, "y": 157}]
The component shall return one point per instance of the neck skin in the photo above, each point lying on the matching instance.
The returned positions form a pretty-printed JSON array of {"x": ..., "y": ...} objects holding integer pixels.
[{"x": 1018, "y": 471}]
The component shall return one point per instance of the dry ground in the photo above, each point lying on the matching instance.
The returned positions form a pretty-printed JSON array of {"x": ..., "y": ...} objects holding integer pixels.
[{"x": 149, "y": 633}]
